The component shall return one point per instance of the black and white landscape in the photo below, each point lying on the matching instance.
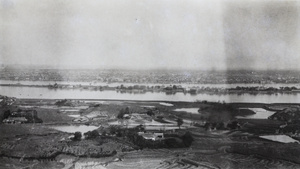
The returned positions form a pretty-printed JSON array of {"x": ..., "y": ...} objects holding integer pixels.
[{"x": 149, "y": 84}]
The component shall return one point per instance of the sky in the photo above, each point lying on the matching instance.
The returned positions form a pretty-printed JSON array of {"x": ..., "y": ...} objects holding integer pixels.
[{"x": 151, "y": 34}]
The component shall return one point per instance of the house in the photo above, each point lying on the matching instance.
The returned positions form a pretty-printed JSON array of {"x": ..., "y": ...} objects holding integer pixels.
[
  {"x": 159, "y": 135},
  {"x": 151, "y": 136}
]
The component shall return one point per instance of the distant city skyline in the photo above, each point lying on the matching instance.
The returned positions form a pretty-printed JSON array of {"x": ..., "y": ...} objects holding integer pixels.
[{"x": 140, "y": 34}]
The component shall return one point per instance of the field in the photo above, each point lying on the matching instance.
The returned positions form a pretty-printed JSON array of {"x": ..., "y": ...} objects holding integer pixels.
[{"x": 37, "y": 145}]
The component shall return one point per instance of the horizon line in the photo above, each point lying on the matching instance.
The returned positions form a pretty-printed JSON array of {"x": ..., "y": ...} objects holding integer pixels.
[{"x": 25, "y": 66}]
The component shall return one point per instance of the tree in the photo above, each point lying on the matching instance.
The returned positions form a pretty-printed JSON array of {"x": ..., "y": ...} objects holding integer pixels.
[
  {"x": 233, "y": 125},
  {"x": 77, "y": 136},
  {"x": 187, "y": 139},
  {"x": 220, "y": 126},
  {"x": 114, "y": 129},
  {"x": 174, "y": 87},
  {"x": 150, "y": 113},
  {"x": 179, "y": 122},
  {"x": 122, "y": 112},
  {"x": 207, "y": 126},
  {"x": 6, "y": 114},
  {"x": 81, "y": 112},
  {"x": 91, "y": 134},
  {"x": 127, "y": 110}
]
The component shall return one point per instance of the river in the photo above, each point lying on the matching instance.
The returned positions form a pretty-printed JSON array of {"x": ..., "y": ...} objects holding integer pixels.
[{"x": 45, "y": 93}]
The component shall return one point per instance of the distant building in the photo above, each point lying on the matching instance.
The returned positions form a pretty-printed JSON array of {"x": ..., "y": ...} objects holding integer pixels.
[
  {"x": 151, "y": 136},
  {"x": 23, "y": 116},
  {"x": 13, "y": 120}
]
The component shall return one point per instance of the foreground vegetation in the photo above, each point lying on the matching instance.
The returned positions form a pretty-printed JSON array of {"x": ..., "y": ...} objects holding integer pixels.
[{"x": 213, "y": 137}]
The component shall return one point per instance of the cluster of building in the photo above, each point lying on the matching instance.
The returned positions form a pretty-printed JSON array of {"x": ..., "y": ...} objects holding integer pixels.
[
  {"x": 15, "y": 120},
  {"x": 21, "y": 116},
  {"x": 151, "y": 135},
  {"x": 6, "y": 101},
  {"x": 151, "y": 76}
]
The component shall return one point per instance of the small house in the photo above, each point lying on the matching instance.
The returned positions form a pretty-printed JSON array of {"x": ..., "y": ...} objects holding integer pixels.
[{"x": 151, "y": 136}]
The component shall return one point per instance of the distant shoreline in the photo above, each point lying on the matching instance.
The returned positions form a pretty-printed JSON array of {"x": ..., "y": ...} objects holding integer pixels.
[
  {"x": 168, "y": 90},
  {"x": 240, "y": 104}
]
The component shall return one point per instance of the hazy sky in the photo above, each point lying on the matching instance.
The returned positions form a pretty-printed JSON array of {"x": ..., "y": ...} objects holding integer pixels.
[{"x": 142, "y": 34}]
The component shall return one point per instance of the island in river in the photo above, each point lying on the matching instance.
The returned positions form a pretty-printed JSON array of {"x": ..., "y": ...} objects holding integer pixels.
[
  {"x": 86, "y": 133},
  {"x": 168, "y": 89}
]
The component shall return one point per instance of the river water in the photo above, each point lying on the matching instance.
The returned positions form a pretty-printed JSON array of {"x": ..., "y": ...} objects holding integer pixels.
[
  {"x": 75, "y": 128},
  {"x": 260, "y": 113},
  {"x": 45, "y": 93}
]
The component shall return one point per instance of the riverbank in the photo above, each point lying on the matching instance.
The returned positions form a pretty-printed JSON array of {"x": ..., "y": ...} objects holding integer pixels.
[{"x": 171, "y": 89}]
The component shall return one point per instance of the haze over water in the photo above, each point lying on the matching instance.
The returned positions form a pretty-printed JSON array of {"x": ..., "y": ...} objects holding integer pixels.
[{"x": 45, "y": 93}]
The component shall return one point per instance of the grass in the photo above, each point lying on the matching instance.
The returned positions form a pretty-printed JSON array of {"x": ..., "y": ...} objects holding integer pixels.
[
  {"x": 13, "y": 130},
  {"x": 53, "y": 116}
]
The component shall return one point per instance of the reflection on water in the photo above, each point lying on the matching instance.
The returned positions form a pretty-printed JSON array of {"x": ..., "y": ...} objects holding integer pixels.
[
  {"x": 260, "y": 113},
  {"x": 74, "y": 115},
  {"x": 280, "y": 138},
  {"x": 74, "y": 128},
  {"x": 166, "y": 104},
  {"x": 45, "y": 93},
  {"x": 188, "y": 110}
]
